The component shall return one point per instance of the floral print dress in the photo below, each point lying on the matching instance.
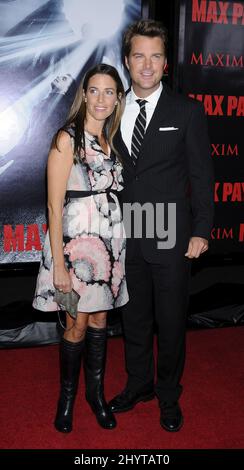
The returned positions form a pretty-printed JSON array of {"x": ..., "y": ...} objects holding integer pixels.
[{"x": 93, "y": 235}]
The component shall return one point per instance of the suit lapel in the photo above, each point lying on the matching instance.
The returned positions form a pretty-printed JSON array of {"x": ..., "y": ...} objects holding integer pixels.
[
  {"x": 125, "y": 154},
  {"x": 123, "y": 151},
  {"x": 120, "y": 143},
  {"x": 159, "y": 117}
]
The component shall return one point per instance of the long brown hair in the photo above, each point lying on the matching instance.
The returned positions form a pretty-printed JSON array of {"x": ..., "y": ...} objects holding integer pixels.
[{"x": 77, "y": 114}]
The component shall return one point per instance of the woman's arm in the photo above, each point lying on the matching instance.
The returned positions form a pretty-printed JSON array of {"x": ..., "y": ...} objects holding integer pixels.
[{"x": 58, "y": 171}]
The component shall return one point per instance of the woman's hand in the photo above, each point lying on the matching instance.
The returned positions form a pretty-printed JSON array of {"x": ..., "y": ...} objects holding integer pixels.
[{"x": 62, "y": 280}]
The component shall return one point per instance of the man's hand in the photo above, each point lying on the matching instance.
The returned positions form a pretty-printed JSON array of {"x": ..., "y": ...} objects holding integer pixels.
[{"x": 196, "y": 247}]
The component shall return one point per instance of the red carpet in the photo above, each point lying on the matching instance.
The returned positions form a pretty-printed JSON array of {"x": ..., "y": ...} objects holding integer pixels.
[{"x": 212, "y": 400}]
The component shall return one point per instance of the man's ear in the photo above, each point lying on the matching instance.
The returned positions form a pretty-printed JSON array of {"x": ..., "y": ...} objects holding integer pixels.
[{"x": 127, "y": 63}]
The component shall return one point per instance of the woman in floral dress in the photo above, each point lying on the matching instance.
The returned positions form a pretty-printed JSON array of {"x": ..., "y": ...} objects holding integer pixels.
[{"x": 84, "y": 248}]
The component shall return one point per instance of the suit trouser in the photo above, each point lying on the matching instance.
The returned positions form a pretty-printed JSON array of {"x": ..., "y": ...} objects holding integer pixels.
[{"x": 163, "y": 289}]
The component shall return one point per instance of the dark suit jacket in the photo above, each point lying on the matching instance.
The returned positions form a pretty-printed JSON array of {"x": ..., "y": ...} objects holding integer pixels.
[{"x": 173, "y": 166}]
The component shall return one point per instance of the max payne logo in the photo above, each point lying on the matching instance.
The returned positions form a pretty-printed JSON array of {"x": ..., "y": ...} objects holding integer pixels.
[
  {"x": 229, "y": 192},
  {"x": 22, "y": 238},
  {"x": 228, "y": 233},
  {"x": 221, "y": 105},
  {"x": 204, "y": 11}
]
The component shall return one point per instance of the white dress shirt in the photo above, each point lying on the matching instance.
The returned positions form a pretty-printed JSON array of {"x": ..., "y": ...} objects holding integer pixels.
[{"x": 131, "y": 111}]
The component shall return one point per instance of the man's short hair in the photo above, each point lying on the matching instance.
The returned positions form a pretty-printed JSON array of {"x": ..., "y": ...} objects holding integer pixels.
[{"x": 149, "y": 28}]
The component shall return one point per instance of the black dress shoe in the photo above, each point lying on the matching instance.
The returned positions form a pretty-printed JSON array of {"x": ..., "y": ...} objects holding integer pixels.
[
  {"x": 171, "y": 418},
  {"x": 126, "y": 400}
]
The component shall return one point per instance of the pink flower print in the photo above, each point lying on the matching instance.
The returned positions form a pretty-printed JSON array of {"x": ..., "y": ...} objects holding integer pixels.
[
  {"x": 74, "y": 178},
  {"x": 93, "y": 297},
  {"x": 91, "y": 178},
  {"x": 90, "y": 152},
  {"x": 76, "y": 218},
  {"x": 78, "y": 285},
  {"x": 116, "y": 247},
  {"x": 47, "y": 252},
  {"x": 117, "y": 177},
  {"x": 89, "y": 258},
  {"x": 45, "y": 280},
  {"x": 118, "y": 232},
  {"x": 102, "y": 181},
  {"x": 43, "y": 299},
  {"x": 117, "y": 276},
  {"x": 94, "y": 159}
]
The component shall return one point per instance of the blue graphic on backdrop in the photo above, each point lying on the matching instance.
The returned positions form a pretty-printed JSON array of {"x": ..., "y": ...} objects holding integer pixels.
[{"x": 46, "y": 47}]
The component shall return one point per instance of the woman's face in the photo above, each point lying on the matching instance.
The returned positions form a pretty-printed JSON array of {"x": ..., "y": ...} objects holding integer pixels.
[{"x": 101, "y": 97}]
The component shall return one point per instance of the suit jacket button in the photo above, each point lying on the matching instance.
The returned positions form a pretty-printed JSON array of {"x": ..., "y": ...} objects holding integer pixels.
[{"x": 136, "y": 178}]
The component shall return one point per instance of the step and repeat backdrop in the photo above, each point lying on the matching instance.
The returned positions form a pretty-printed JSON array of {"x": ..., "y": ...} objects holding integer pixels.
[
  {"x": 210, "y": 69},
  {"x": 45, "y": 48}
]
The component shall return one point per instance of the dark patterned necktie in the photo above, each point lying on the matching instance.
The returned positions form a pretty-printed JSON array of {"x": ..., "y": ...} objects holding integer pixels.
[{"x": 139, "y": 130}]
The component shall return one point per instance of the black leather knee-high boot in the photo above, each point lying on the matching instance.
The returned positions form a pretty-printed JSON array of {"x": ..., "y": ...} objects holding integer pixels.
[
  {"x": 94, "y": 366},
  {"x": 70, "y": 362}
]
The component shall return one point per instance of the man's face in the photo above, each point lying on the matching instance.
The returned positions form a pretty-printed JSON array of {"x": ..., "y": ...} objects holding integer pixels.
[
  {"x": 146, "y": 63},
  {"x": 62, "y": 83}
]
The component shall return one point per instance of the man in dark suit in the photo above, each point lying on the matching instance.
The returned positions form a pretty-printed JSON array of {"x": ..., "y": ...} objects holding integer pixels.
[{"x": 171, "y": 168}]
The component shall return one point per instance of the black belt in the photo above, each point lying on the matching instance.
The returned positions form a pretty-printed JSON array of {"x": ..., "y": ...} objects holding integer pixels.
[{"x": 75, "y": 194}]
